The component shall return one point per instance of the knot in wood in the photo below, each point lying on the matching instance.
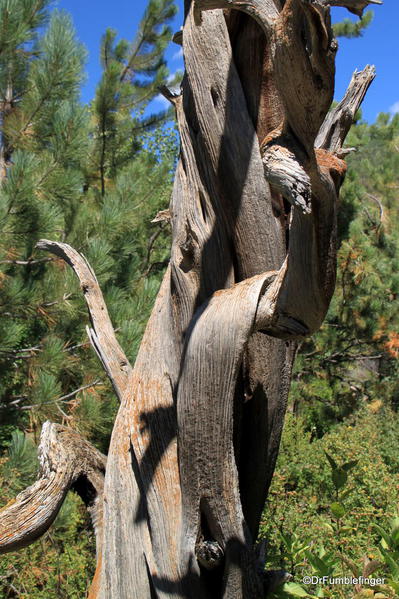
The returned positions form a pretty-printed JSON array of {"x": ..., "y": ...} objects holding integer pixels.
[{"x": 209, "y": 554}]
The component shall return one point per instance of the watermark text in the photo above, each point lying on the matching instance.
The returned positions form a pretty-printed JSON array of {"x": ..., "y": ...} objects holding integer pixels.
[{"x": 343, "y": 580}]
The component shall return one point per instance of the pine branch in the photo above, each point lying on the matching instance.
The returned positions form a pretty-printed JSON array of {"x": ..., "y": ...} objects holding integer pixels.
[
  {"x": 27, "y": 262},
  {"x": 64, "y": 398}
]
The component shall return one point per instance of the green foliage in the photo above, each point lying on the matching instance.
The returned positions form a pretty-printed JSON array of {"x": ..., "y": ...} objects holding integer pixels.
[
  {"x": 132, "y": 75},
  {"x": 353, "y": 359},
  {"x": 95, "y": 177},
  {"x": 331, "y": 510},
  {"x": 49, "y": 187},
  {"x": 21, "y": 466},
  {"x": 348, "y": 28},
  {"x": 60, "y": 564}
]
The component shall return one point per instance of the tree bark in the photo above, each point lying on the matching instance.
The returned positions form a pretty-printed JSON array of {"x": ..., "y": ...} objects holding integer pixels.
[
  {"x": 252, "y": 271},
  {"x": 66, "y": 462}
]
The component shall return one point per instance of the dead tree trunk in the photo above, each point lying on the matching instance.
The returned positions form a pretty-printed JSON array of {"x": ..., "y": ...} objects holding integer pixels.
[{"x": 252, "y": 270}]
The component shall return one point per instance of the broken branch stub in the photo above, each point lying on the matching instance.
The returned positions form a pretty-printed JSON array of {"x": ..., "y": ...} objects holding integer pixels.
[
  {"x": 339, "y": 120},
  {"x": 66, "y": 461},
  {"x": 355, "y": 6}
]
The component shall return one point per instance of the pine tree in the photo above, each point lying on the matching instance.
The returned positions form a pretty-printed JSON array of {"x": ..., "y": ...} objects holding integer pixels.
[
  {"x": 197, "y": 356},
  {"x": 132, "y": 74},
  {"x": 43, "y": 141},
  {"x": 348, "y": 28},
  {"x": 54, "y": 185},
  {"x": 356, "y": 351}
]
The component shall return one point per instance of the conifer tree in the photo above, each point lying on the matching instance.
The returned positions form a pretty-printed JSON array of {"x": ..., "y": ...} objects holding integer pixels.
[
  {"x": 196, "y": 436},
  {"x": 353, "y": 359},
  {"x": 132, "y": 75},
  {"x": 55, "y": 184},
  {"x": 253, "y": 304},
  {"x": 52, "y": 185},
  {"x": 348, "y": 28}
]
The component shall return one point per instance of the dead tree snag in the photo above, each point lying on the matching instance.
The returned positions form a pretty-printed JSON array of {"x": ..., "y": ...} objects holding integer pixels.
[{"x": 252, "y": 270}]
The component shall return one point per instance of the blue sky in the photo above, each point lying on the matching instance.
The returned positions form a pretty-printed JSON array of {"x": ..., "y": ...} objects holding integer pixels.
[{"x": 378, "y": 46}]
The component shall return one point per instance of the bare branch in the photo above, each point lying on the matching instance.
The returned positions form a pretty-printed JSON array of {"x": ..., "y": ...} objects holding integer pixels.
[
  {"x": 168, "y": 94},
  {"x": 379, "y": 204},
  {"x": 161, "y": 216},
  {"x": 338, "y": 121},
  {"x": 355, "y": 6},
  {"x": 286, "y": 174},
  {"x": 27, "y": 262},
  {"x": 102, "y": 334},
  {"x": 66, "y": 461},
  {"x": 178, "y": 37}
]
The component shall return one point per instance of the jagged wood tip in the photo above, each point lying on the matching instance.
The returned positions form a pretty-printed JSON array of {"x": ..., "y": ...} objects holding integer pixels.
[{"x": 339, "y": 120}]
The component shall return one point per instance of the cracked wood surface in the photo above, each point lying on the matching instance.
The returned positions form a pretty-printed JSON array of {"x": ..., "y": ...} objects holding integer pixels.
[
  {"x": 101, "y": 334},
  {"x": 66, "y": 461},
  {"x": 197, "y": 434}
]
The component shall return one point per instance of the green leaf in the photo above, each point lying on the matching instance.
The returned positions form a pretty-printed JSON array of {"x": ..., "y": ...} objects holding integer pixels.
[
  {"x": 339, "y": 478},
  {"x": 320, "y": 566},
  {"x": 328, "y": 526},
  {"x": 294, "y": 589},
  {"x": 331, "y": 460},
  {"x": 287, "y": 540},
  {"x": 394, "y": 584},
  {"x": 337, "y": 510},
  {"x": 395, "y": 537},
  {"x": 383, "y": 534},
  {"x": 392, "y": 564},
  {"x": 349, "y": 465}
]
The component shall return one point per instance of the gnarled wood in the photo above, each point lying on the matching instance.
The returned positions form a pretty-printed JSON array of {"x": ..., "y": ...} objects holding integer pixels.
[
  {"x": 263, "y": 11},
  {"x": 355, "y": 6},
  {"x": 339, "y": 120},
  {"x": 197, "y": 434},
  {"x": 101, "y": 334},
  {"x": 66, "y": 461}
]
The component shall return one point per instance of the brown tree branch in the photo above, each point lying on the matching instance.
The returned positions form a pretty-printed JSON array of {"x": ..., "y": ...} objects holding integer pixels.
[
  {"x": 101, "y": 334},
  {"x": 66, "y": 461},
  {"x": 355, "y": 6},
  {"x": 312, "y": 251},
  {"x": 204, "y": 353},
  {"x": 339, "y": 120},
  {"x": 27, "y": 262}
]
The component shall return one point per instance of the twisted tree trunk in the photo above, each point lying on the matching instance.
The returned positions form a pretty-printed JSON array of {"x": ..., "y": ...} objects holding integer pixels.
[{"x": 252, "y": 270}]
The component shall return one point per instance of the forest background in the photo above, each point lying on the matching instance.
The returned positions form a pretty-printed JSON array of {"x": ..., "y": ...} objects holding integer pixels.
[{"x": 98, "y": 175}]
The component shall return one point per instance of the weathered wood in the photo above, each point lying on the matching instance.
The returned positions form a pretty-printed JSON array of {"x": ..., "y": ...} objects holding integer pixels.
[
  {"x": 355, "y": 6},
  {"x": 263, "y": 11},
  {"x": 197, "y": 434},
  {"x": 339, "y": 120},
  {"x": 66, "y": 461},
  {"x": 101, "y": 334}
]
